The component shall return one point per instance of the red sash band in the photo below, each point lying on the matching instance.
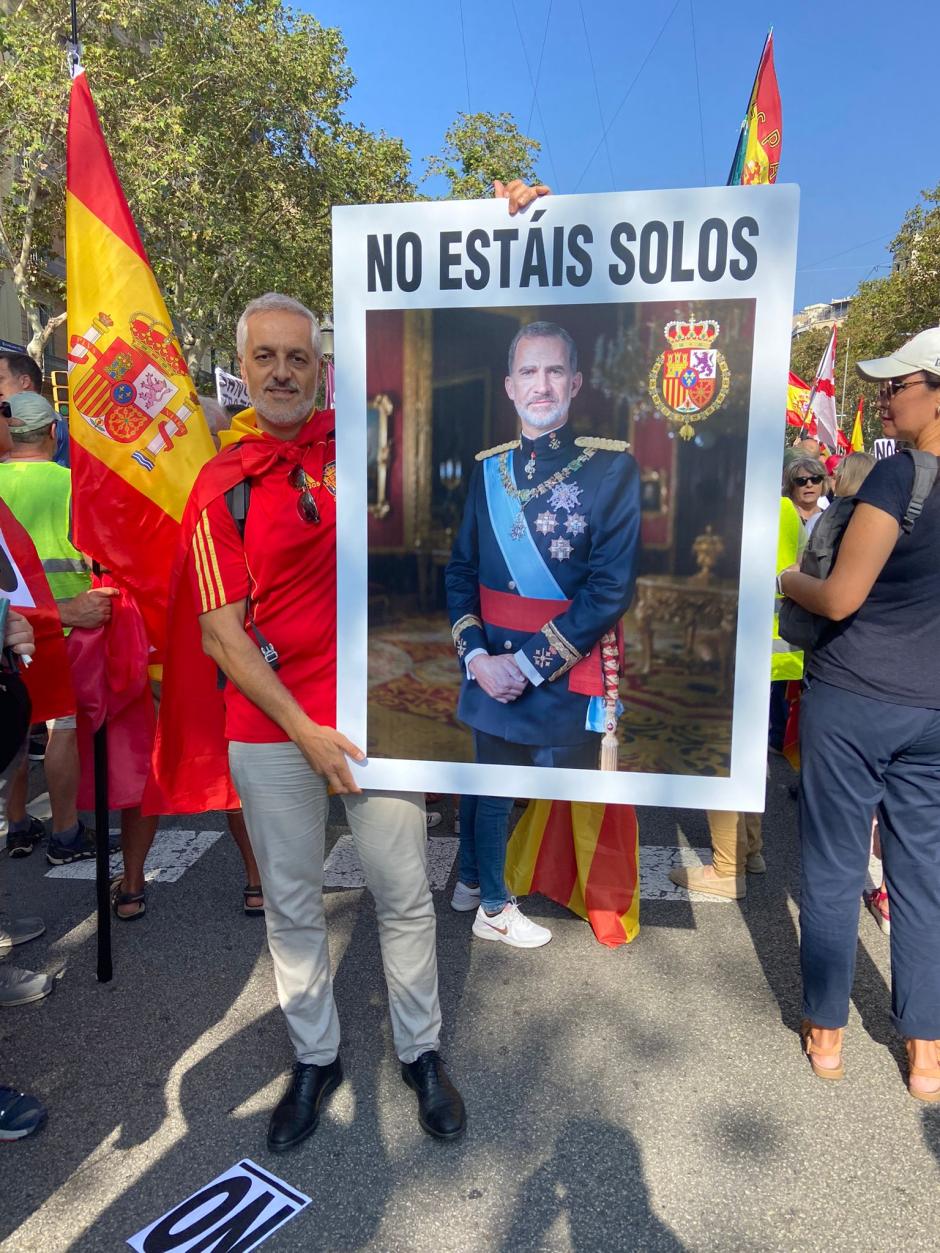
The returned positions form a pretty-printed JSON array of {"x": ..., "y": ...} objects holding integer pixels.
[{"x": 524, "y": 613}]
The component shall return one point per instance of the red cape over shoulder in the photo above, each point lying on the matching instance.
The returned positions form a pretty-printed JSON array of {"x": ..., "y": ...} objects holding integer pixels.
[{"x": 189, "y": 771}]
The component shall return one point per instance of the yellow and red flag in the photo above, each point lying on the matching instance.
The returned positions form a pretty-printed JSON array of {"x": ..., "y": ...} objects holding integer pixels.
[
  {"x": 858, "y": 439},
  {"x": 757, "y": 156},
  {"x": 138, "y": 434},
  {"x": 797, "y": 402},
  {"x": 585, "y": 856}
]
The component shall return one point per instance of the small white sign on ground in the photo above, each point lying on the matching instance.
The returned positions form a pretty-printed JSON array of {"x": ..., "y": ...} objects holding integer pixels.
[
  {"x": 343, "y": 869},
  {"x": 239, "y": 1209},
  {"x": 171, "y": 855}
]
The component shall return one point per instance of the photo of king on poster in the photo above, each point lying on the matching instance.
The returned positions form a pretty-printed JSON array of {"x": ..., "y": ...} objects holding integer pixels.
[{"x": 558, "y": 463}]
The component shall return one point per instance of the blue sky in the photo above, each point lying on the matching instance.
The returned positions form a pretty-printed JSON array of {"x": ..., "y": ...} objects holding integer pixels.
[{"x": 860, "y": 106}]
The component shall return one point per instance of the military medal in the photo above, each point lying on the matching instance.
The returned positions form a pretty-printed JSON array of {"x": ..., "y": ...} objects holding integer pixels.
[
  {"x": 545, "y": 523},
  {"x": 560, "y": 549},
  {"x": 554, "y": 442},
  {"x": 530, "y": 466},
  {"x": 563, "y": 495}
]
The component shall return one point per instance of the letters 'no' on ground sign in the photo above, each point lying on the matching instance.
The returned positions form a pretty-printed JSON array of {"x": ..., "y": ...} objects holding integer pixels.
[{"x": 236, "y": 1212}]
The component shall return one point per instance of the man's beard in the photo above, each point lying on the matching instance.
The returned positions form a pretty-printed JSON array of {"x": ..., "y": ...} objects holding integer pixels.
[
  {"x": 288, "y": 415},
  {"x": 543, "y": 421}
]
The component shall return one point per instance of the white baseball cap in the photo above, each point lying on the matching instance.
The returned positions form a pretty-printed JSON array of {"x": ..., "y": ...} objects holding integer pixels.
[{"x": 920, "y": 353}]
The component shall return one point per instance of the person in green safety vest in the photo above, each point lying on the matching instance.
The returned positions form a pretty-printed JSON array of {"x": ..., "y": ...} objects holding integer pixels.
[{"x": 39, "y": 493}]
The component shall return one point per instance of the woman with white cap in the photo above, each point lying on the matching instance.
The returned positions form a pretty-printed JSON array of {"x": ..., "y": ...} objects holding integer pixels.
[{"x": 870, "y": 738}]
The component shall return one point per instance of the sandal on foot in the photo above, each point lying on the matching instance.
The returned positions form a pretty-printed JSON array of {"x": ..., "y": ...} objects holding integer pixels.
[
  {"x": 252, "y": 889},
  {"x": 813, "y": 1051},
  {"x": 121, "y": 899},
  {"x": 921, "y": 1072}
]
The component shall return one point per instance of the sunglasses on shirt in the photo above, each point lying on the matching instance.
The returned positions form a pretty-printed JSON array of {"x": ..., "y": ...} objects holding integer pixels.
[
  {"x": 815, "y": 479},
  {"x": 306, "y": 505}
]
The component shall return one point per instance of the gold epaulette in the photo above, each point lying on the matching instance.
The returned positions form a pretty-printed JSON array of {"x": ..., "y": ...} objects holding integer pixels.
[
  {"x": 492, "y": 452},
  {"x": 608, "y": 445}
]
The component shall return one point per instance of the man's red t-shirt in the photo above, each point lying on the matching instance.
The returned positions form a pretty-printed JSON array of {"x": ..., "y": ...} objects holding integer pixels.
[{"x": 288, "y": 568}]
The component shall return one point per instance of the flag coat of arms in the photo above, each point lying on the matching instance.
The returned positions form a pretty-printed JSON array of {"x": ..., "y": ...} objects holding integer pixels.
[{"x": 138, "y": 434}]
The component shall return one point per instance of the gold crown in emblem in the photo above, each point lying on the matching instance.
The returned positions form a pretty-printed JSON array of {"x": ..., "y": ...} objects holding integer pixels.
[
  {"x": 693, "y": 333},
  {"x": 156, "y": 340}
]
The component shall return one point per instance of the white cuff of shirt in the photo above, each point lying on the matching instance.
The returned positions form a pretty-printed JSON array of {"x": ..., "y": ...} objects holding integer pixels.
[
  {"x": 474, "y": 652},
  {"x": 528, "y": 669}
]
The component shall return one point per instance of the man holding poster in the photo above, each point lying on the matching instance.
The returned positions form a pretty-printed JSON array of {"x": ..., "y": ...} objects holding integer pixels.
[{"x": 544, "y": 565}]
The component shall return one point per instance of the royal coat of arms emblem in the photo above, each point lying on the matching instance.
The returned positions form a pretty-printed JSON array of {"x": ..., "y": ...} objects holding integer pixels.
[
  {"x": 122, "y": 386},
  {"x": 690, "y": 380}
]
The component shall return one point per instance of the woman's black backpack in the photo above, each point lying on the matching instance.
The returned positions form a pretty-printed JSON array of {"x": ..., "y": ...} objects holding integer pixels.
[{"x": 797, "y": 625}]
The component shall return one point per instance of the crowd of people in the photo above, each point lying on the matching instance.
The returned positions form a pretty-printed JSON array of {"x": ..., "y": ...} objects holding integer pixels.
[{"x": 868, "y": 695}]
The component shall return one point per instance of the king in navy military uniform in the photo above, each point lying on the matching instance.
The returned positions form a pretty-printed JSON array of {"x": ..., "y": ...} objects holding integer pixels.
[{"x": 544, "y": 564}]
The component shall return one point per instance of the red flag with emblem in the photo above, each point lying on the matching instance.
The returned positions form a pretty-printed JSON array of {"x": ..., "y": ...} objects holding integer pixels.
[{"x": 138, "y": 435}]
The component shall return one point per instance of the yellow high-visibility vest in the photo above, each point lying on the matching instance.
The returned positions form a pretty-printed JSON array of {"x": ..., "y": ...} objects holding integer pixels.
[
  {"x": 786, "y": 662},
  {"x": 39, "y": 494}
]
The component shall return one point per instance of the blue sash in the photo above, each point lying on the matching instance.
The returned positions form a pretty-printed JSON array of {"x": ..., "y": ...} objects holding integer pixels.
[{"x": 526, "y": 565}]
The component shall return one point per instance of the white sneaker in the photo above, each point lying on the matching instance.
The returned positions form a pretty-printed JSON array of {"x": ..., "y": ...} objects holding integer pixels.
[
  {"x": 510, "y": 926},
  {"x": 464, "y": 899},
  {"x": 433, "y": 820}
]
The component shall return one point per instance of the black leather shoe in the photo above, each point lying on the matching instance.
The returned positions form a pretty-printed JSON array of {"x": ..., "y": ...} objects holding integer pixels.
[
  {"x": 440, "y": 1106},
  {"x": 297, "y": 1114}
]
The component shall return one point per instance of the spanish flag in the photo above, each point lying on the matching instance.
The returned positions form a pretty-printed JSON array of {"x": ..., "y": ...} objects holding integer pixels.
[
  {"x": 138, "y": 434},
  {"x": 585, "y": 856},
  {"x": 757, "y": 156},
  {"x": 858, "y": 439},
  {"x": 798, "y": 401}
]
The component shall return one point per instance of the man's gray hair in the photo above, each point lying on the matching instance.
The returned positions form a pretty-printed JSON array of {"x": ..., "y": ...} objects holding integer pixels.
[
  {"x": 545, "y": 330},
  {"x": 270, "y": 302}
]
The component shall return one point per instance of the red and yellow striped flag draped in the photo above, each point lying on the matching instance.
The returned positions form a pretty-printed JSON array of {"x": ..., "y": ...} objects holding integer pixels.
[
  {"x": 138, "y": 434},
  {"x": 858, "y": 439},
  {"x": 584, "y": 856}
]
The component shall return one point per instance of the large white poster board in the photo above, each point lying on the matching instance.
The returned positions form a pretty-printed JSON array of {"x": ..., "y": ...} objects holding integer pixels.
[{"x": 673, "y": 311}]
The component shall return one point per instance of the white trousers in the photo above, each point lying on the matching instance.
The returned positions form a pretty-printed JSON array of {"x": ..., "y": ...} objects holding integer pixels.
[{"x": 286, "y": 806}]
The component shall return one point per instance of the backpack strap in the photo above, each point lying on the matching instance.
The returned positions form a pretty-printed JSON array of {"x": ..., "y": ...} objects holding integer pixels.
[
  {"x": 925, "y": 475},
  {"x": 237, "y": 500}
]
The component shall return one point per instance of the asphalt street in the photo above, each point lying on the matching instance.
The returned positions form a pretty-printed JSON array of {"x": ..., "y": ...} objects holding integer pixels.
[{"x": 650, "y": 1097}]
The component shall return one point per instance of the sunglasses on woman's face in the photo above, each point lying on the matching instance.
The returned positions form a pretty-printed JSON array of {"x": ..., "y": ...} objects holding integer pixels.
[
  {"x": 815, "y": 479},
  {"x": 891, "y": 388}
]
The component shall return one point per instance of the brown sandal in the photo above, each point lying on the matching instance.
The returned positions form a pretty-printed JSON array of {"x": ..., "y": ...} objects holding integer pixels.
[
  {"x": 813, "y": 1051},
  {"x": 921, "y": 1072}
]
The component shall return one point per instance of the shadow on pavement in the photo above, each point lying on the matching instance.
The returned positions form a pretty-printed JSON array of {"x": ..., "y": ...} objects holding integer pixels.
[{"x": 594, "y": 1182}]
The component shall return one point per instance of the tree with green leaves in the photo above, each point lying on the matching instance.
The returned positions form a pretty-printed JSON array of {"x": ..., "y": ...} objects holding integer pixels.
[
  {"x": 225, "y": 121},
  {"x": 884, "y": 312},
  {"x": 480, "y": 148}
]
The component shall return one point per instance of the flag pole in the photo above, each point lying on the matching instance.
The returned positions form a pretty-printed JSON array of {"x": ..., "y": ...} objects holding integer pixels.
[
  {"x": 742, "y": 133},
  {"x": 105, "y": 970},
  {"x": 102, "y": 840},
  {"x": 845, "y": 372},
  {"x": 74, "y": 48}
]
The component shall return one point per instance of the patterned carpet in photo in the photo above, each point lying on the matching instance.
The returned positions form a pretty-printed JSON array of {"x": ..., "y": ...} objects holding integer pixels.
[{"x": 676, "y": 720}]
